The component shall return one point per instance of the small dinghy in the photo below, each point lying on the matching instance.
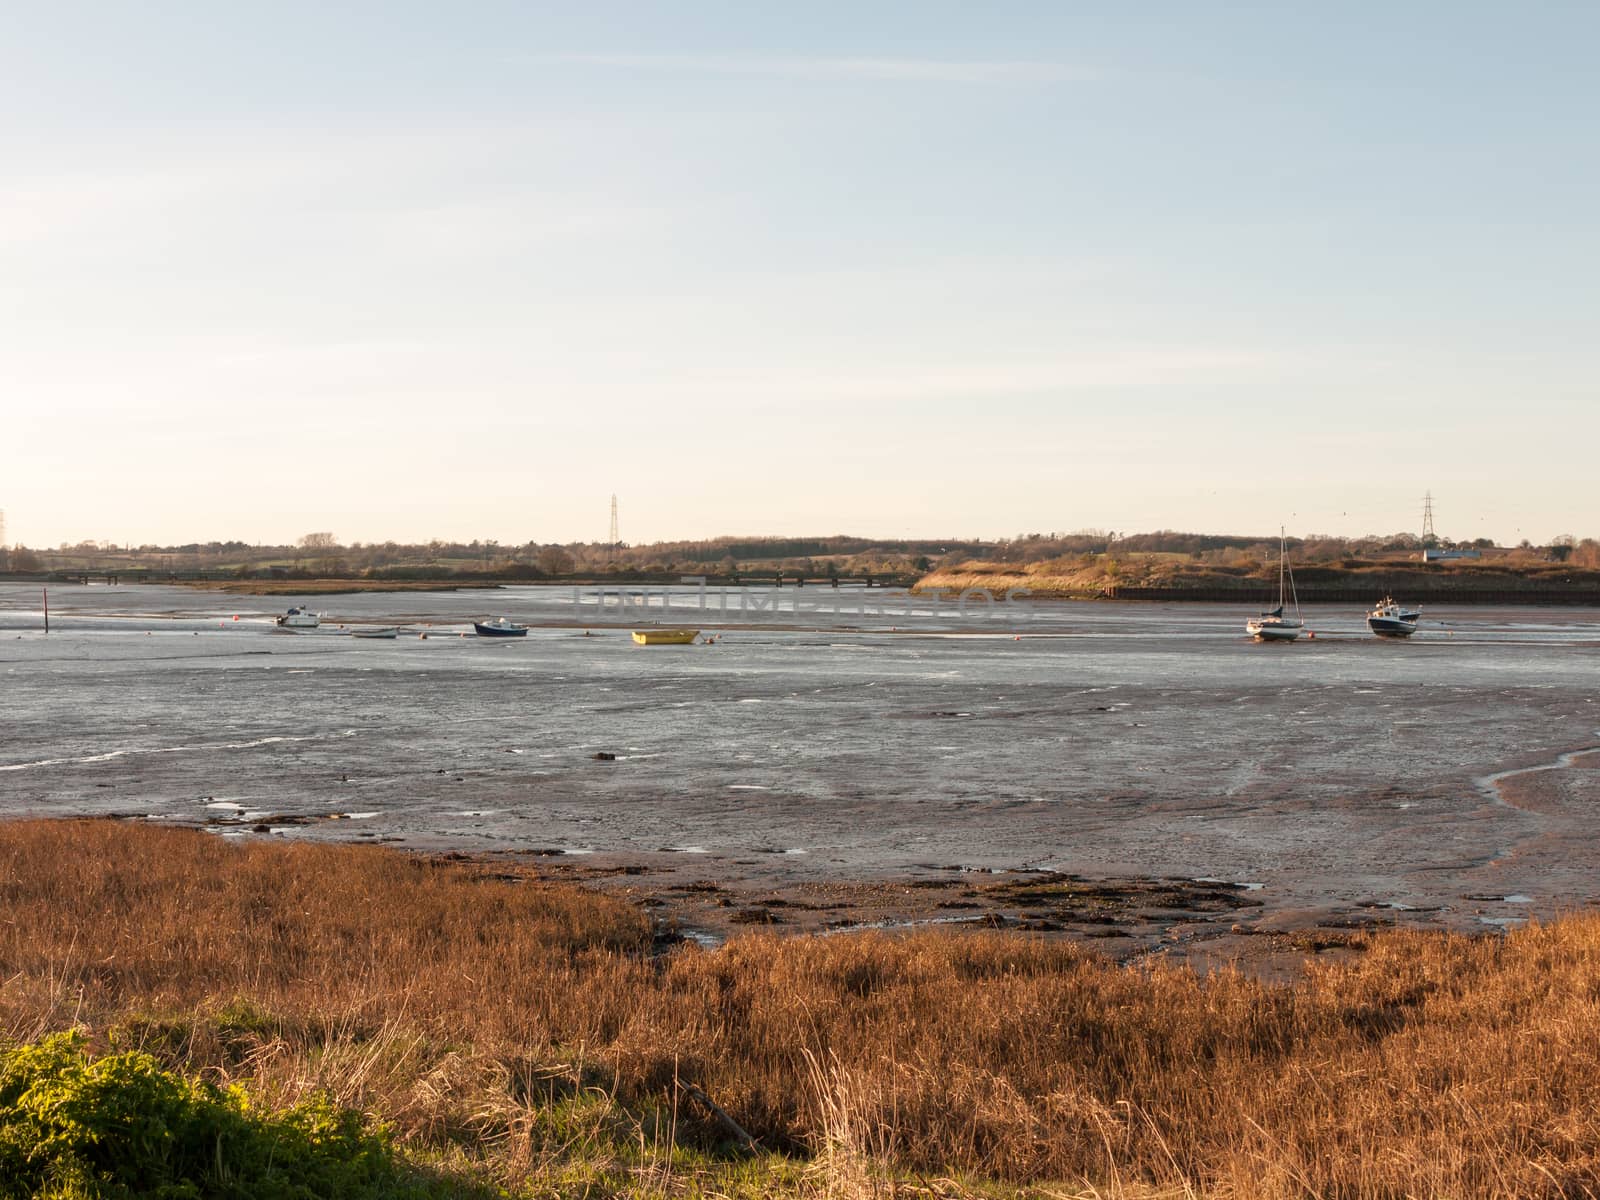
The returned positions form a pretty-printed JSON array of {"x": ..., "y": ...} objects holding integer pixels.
[{"x": 665, "y": 637}]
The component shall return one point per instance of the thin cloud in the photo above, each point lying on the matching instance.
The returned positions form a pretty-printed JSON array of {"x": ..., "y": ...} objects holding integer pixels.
[
  {"x": 904, "y": 70},
  {"x": 1153, "y": 367}
]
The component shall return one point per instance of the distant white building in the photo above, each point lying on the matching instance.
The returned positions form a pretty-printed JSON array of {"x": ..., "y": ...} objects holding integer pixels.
[{"x": 1441, "y": 555}]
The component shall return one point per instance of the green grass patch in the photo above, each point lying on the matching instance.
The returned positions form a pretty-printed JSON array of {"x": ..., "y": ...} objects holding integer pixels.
[{"x": 73, "y": 1127}]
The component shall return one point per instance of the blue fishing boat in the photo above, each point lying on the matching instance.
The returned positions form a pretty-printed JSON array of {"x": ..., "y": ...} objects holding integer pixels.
[
  {"x": 499, "y": 627},
  {"x": 1392, "y": 621}
]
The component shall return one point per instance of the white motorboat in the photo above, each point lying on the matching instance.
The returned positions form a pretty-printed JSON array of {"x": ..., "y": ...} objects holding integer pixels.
[
  {"x": 1389, "y": 620},
  {"x": 299, "y": 617},
  {"x": 1273, "y": 626}
]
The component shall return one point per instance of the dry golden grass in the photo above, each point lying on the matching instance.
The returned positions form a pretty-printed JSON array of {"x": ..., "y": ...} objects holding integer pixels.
[
  {"x": 517, "y": 1025},
  {"x": 1073, "y": 575}
]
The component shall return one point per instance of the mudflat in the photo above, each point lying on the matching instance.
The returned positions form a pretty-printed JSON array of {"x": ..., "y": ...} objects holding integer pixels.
[{"x": 1140, "y": 774}]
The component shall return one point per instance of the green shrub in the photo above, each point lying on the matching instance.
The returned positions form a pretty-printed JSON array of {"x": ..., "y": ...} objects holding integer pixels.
[{"x": 121, "y": 1127}]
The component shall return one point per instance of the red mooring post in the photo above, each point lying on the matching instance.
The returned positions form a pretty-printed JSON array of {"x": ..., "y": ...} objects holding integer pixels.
[{"x": 47, "y": 610}]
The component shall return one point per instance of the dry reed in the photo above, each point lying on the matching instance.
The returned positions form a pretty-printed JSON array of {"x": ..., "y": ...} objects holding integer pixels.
[{"x": 516, "y": 1025}]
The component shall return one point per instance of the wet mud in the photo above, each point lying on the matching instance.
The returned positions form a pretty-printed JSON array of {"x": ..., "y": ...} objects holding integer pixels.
[{"x": 1063, "y": 769}]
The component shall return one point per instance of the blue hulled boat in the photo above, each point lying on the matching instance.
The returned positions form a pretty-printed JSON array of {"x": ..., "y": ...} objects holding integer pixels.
[
  {"x": 1392, "y": 621},
  {"x": 499, "y": 627}
]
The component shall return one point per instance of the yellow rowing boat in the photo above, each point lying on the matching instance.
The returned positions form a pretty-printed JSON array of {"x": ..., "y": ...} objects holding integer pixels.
[{"x": 665, "y": 637}]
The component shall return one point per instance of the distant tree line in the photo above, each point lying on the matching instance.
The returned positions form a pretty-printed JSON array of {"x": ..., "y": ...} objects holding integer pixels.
[
  {"x": 321, "y": 554},
  {"x": 1235, "y": 549}
]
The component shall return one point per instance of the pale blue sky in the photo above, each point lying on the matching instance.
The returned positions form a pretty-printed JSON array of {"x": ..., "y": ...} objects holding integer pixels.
[{"x": 415, "y": 270}]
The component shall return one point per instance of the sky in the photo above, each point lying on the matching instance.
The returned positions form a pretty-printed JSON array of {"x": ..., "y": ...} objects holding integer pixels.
[{"x": 409, "y": 270}]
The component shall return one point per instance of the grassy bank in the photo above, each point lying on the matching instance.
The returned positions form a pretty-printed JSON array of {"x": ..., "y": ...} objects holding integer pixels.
[
  {"x": 1177, "y": 577},
  {"x": 538, "y": 1038}
]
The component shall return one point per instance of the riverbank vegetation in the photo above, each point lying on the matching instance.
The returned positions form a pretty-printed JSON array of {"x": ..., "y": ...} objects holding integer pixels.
[
  {"x": 321, "y": 556},
  {"x": 1331, "y": 568},
  {"x": 1166, "y": 577},
  {"x": 1085, "y": 562},
  {"x": 499, "y": 1032}
]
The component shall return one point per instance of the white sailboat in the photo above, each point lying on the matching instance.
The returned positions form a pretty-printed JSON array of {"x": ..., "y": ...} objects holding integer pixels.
[{"x": 1273, "y": 626}]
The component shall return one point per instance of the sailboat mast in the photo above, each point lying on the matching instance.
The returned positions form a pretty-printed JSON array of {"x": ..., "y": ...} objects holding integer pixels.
[
  {"x": 1281, "y": 556},
  {"x": 1283, "y": 562}
]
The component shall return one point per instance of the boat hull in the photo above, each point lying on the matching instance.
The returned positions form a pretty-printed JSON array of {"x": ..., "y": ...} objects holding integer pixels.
[
  {"x": 1391, "y": 627},
  {"x": 500, "y": 631},
  {"x": 1391, "y": 620},
  {"x": 1273, "y": 631},
  {"x": 665, "y": 637}
]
